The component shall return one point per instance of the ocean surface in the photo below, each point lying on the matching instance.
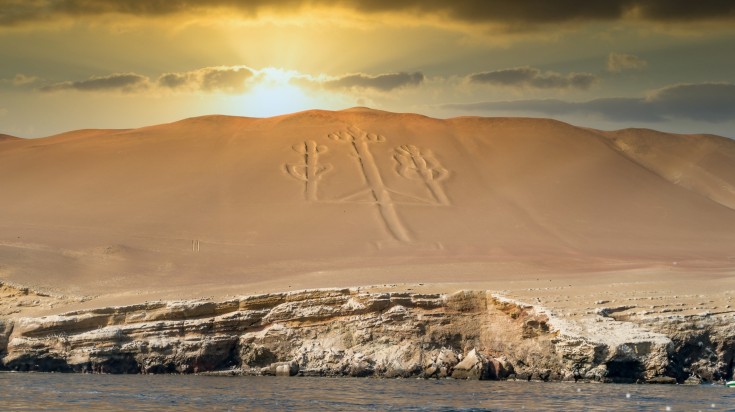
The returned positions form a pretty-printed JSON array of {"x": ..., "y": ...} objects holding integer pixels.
[{"x": 37, "y": 391}]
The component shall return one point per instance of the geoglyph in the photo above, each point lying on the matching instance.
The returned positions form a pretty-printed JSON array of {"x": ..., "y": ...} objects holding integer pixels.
[{"x": 413, "y": 163}]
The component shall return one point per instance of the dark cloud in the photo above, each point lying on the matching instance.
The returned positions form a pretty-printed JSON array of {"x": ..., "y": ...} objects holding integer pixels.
[
  {"x": 124, "y": 82},
  {"x": 382, "y": 82},
  {"x": 534, "y": 78},
  {"x": 174, "y": 80},
  {"x": 515, "y": 12},
  {"x": 229, "y": 79},
  {"x": 620, "y": 109},
  {"x": 209, "y": 79},
  {"x": 706, "y": 102},
  {"x": 712, "y": 102},
  {"x": 683, "y": 10}
]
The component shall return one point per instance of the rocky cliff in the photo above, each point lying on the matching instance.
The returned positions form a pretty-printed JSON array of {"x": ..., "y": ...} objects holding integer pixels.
[{"x": 359, "y": 332}]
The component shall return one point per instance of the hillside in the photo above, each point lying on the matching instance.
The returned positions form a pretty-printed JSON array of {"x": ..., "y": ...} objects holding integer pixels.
[
  {"x": 217, "y": 205},
  {"x": 7, "y": 137}
]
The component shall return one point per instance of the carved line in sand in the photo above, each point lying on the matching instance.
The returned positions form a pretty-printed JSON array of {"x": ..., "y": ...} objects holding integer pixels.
[
  {"x": 413, "y": 164},
  {"x": 359, "y": 140},
  {"x": 310, "y": 171}
]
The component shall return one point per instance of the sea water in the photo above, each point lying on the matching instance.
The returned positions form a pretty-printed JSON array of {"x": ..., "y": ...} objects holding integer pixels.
[{"x": 35, "y": 391}]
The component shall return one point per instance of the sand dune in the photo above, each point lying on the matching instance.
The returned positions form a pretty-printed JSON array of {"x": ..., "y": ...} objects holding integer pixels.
[
  {"x": 6, "y": 137},
  {"x": 220, "y": 204},
  {"x": 702, "y": 163}
]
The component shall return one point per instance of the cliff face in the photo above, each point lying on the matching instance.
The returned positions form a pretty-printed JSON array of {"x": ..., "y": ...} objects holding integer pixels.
[{"x": 353, "y": 332}]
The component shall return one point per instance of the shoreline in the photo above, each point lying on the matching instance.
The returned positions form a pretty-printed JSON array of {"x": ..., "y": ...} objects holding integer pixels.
[{"x": 237, "y": 374}]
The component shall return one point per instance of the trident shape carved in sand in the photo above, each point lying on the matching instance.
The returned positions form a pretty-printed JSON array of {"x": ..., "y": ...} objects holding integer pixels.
[{"x": 412, "y": 163}]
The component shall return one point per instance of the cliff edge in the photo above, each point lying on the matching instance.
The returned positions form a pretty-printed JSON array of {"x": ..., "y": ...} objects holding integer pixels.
[{"x": 363, "y": 332}]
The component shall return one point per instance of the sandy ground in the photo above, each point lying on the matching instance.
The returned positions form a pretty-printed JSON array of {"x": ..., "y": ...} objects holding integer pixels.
[
  {"x": 652, "y": 291},
  {"x": 218, "y": 206}
]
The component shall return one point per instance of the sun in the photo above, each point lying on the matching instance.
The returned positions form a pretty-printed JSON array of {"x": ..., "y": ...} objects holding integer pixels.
[
  {"x": 275, "y": 91},
  {"x": 272, "y": 94}
]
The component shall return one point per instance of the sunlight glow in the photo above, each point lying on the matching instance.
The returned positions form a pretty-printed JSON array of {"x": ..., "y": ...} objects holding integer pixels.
[
  {"x": 272, "y": 94},
  {"x": 273, "y": 91}
]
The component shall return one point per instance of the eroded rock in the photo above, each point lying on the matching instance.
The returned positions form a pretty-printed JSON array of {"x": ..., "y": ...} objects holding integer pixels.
[{"x": 350, "y": 332}]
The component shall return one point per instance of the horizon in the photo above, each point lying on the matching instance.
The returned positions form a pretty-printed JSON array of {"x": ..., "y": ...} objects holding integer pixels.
[
  {"x": 121, "y": 64},
  {"x": 353, "y": 108}
]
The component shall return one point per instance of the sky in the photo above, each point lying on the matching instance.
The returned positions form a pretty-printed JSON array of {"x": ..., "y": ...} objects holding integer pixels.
[{"x": 73, "y": 64}]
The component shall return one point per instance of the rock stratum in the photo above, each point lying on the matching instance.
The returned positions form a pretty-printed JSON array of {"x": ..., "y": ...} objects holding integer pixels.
[{"x": 361, "y": 333}]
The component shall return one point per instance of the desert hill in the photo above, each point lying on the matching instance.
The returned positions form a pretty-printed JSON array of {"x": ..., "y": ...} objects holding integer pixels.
[
  {"x": 702, "y": 163},
  {"x": 220, "y": 204},
  {"x": 6, "y": 137}
]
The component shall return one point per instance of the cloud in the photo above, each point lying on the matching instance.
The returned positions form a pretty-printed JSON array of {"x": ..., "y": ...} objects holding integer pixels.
[
  {"x": 620, "y": 109},
  {"x": 712, "y": 102},
  {"x": 229, "y": 79},
  {"x": 705, "y": 102},
  {"x": 533, "y": 78},
  {"x": 175, "y": 80},
  {"x": 122, "y": 82},
  {"x": 514, "y": 12},
  {"x": 617, "y": 62},
  {"x": 382, "y": 82},
  {"x": 22, "y": 79}
]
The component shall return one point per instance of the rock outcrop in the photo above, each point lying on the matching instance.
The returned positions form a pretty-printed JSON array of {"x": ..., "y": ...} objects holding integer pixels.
[{"x": 353, "y": 332}]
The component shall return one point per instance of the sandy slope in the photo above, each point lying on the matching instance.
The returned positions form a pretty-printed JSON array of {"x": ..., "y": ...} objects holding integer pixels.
[
  {"x": 702, "y": 163},
  {"x": 6, "y": 137},
  {"x": 218, "y": 205}
]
